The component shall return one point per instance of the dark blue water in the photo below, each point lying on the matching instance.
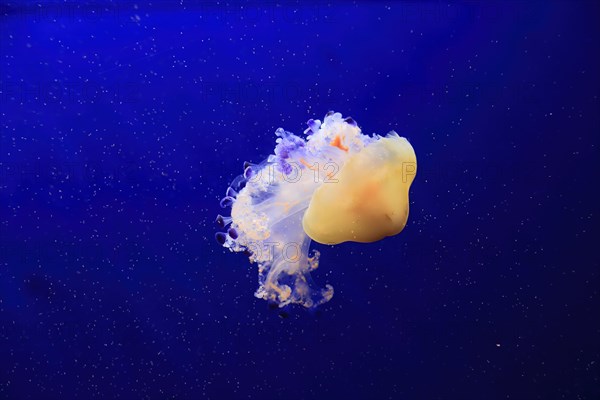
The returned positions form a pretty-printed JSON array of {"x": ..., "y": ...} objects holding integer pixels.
[{"x": 122, "y": 124}]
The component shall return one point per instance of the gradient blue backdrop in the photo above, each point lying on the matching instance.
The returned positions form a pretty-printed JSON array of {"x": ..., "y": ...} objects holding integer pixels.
[{"x": 122, "y": 124}]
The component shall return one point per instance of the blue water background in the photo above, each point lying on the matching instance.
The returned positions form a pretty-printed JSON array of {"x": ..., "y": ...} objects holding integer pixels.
[{"x": 122, "y": 124}]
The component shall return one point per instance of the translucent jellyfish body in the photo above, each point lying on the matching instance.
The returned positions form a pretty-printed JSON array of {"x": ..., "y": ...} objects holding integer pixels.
[{"x": 336, "y": 185}]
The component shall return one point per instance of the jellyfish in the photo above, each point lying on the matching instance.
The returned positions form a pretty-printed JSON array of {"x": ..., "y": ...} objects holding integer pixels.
[{"x": 333, "y": 186}]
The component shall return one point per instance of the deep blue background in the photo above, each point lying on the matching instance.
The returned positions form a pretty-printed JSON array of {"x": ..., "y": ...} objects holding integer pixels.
[{"x": 123, "y": 124}]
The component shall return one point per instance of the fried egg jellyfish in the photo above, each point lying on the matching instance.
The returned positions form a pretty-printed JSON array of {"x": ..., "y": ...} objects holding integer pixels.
[{"x": 336, "y": 185}]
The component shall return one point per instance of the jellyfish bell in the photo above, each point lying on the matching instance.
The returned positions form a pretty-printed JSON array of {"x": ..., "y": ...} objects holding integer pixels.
[
  {"x": 336, "y": 185},
  {"x": 369, "y": 199}
]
